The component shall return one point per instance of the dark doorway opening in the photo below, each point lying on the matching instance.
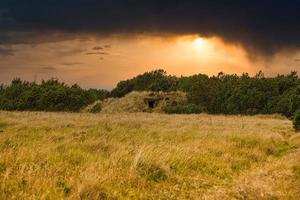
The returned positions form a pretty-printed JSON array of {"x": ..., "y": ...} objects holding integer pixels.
[{"x": 151, "y": 104}]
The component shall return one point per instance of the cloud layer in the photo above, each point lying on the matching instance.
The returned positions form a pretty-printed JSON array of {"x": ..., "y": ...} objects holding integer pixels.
[
  {"x": 263, "y": 27},
  {"x": 4, "y": 51}
]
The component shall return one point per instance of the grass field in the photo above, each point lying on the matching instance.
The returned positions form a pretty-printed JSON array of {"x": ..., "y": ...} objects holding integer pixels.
[{"x": 147, "y": 156}]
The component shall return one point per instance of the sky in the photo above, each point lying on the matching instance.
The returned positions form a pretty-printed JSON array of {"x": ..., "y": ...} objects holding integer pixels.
[{"x": 97, "y": 43}]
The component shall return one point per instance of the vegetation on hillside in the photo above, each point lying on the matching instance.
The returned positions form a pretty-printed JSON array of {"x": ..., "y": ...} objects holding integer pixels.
[
  {"x": 147, "y": 156},
  {"x": 296, "y": 120},
  {"x": 157, "y": 80},
  {"x": 50, "y": 95},
  {"x": 224, "y": 94},
  {"x": 135, "y": 102},
  {"x": 221, "y": 94}
]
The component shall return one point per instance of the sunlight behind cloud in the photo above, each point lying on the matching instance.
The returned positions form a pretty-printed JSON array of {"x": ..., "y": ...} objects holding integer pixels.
[
  {"x": 86, "y": 61},
  {"x": 200, "y": 44}
]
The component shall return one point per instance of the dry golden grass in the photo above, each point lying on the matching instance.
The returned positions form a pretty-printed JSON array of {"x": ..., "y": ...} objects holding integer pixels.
[{"x": 147, "y": 156}]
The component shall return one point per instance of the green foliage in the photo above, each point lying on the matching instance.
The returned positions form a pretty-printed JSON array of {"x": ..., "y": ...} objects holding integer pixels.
[
  {"x": 99, "y": 94},
  {"x": 96, "y": 108},
  {"x": 296, "y": 120},
  {"x": 156, "y": 80},
  {"x": 152, "y": 172},
  {"x": 50, "y": 95},
  {"x": 296, "y": 171},
  {"x": 64, "y": 187},
  {"x": 3, "y": 125},
  {"x": 222, "y": 94},
  {"x": 183, "y": 109}
]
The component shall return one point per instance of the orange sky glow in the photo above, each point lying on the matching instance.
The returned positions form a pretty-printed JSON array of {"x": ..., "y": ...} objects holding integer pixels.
[{"x": 102, "y": 62}]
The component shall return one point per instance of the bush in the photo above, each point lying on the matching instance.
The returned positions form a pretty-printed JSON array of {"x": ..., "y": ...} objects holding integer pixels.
[
  {"x": 157, "y": 80},
  {"x": 221, "y": 94},
  {"x": 96, "y": 108},
  {"x": 296, "y": 120},
  {"x": 50, "y": 95},
  {"x": 183, "y": 109}
]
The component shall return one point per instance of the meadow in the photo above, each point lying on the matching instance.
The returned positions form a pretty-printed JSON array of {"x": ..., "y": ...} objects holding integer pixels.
[{"x": 147, "y": 156}]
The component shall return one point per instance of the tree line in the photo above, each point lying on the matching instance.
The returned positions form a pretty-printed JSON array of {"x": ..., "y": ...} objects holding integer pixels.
[
  {"x": 223, "y": 93},
  {"x": 50, "y": 95},
  {"x": 220, "y": 94}
]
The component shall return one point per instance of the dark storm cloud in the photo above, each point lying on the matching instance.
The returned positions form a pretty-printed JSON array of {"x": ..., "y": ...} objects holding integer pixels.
[{"x": 262, "y": 26}]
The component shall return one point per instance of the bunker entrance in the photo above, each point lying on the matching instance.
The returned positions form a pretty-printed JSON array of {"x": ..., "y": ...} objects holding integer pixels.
[{"x": 152, "y": 103}]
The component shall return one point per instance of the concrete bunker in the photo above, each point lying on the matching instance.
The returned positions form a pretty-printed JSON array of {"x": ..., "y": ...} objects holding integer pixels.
[
  {"x": 140, "y": 102},
  {"x": 152, "y": 102}
]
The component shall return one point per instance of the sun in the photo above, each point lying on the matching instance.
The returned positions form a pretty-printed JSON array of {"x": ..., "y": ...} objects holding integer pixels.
[{"x": 199, "y": 43}]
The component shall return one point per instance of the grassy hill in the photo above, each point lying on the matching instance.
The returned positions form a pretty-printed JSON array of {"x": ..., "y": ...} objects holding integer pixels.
[
  {"x": 147, "y": 156},
  {"x": 135, "y": 102}
]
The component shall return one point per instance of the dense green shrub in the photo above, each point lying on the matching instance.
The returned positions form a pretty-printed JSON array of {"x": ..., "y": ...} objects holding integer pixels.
[
  {"x": 296, "y": 120},
  {"x": 157, "y": 80},
  {"x": 183, "y": 109},
  {"x": 50, "y": 95},
  {"x": 96, "y": 108},
  {"x": 223, "y": 94}
]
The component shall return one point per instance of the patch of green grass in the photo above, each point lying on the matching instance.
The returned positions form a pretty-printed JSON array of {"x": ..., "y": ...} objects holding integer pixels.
[
  {"x": 296, "y": 171},
  {"x": 68, "y": 156},
  {"x": 244, "y": 141},
  {"x": 64, "y": 186},
  {"x": 278, "y": 149},
  {"x": 107, "y": 126},
  {"x": 241, "y": 165},
  {"x": 96, "y": 108},
  {"x": 152, "y": 172},
  {"x": 2, "y": 166},
  {"x": 214, "y": 167},
  {"x": 23, "y": 185},
  {"x": 8, "y": 144},
  {"x": 94, "y": 193},
  {"x": 3, "y": 125}
]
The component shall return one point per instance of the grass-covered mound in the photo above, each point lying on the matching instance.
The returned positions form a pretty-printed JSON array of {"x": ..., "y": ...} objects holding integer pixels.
[{"x": 139, "y": 102}]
